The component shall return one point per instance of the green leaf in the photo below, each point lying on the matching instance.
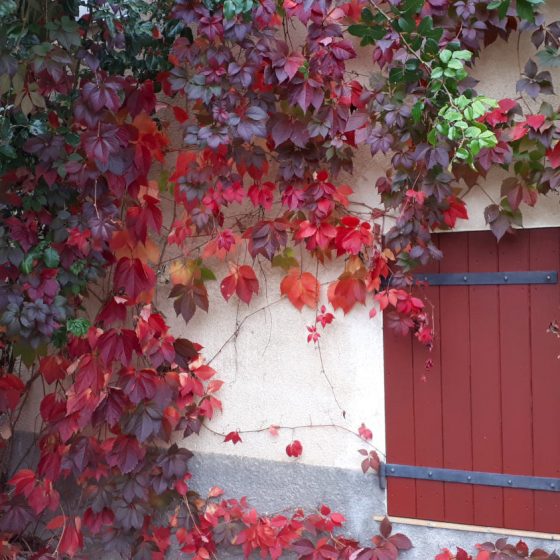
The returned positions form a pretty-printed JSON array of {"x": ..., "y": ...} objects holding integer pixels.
[
  {"x": 285, "y": 260},
  {"x": 229, "y": 9},
  {"x": 432, "y": 137},
  {"x": 406, "y": 24},
  {"x": 26, "y": 265},
  {"x": 426, "y": 25},
  {"x": 207, "y": 274},
  {"x": 77, "y": 267},
  {"x": 367, "y": 15},
  {"x": 437, "y": 73},
  {"x": 479, "y": 109},
  {"x": 51, "y": 258},
  {"x": 8, "y": 151},
  {"x": 472, "y": 132},
  {"x": 78, "y": 326},
  {"x": 412, "y": 6},
  {"x": 525, "y": 10},
  {"x": 549, "y": 56},
  {"x": 358, "y": 30},
  {"x": 452, "y": 115},
  {"x": 462, "y": 55},
  {"x": 502, "y": 7},
  {"x": 455, "y": 64},
  {"x": 445, "y": 55},
  {"x": 72, "y": 139},
  {"x": 29, "y": 354},
  {"x": 417, "y": 111},
  {"x": 431, "y": 48},
  {"x": 8, "y": 7},
  {"x": 474, "y": 147},
  {"x": 462, "y": 153}
]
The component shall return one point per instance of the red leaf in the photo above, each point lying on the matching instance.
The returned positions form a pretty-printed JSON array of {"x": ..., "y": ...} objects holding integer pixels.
[
  {"x": 215, "y": 492},
  {"x": 94, "y": 521},
  {"x": 52, "y": 409},
  {"x": 11, "y": 389},
  {"x": 385, "y": 527},
  {"x": 234, "y": 437},
  {"x": 71, "y": 541},
  {"x": 126, "y": 453},
  {"x": 188, "y": 298},
  {"x": 293, "y": 63},
  {"x": 204, "y": 372},
  {"x": 553, "y": 155},
  {"x": 365, "y": 432},
  {"x": 401, "y": 324},
  {"x": 457, "y": 210},
  {"x": 53, "y": 368},
  {"x": 133, "y": 277},
  {"x": 402, "y": 542},
  {"x": 522, "y": 548},
  {"x": 139, "y": 384},
  {"x": 300, "y": 288},
  {"x": 90, "y": 374},
  {"x": 56, "y": 522},
  {"x": 535, "y": 121},
  {"x": 43, "y": 496},
  {"x": 23, "y": 481},
  {"x": 180, "y": 114},
  {"x": 114, "y": 310},
  {"x": 140, "y": 219},
  {"x": 294, "y": 449},
  {"x": 346, "y": 293},
  {"x": 118, "y": 345},
  {"x": 337, "y": 518},
  {"x": 242, "y": 281}
]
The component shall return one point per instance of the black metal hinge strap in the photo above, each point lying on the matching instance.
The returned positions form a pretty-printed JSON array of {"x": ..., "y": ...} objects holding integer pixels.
[
  {"x": 489, "y": 278},
  {"x": 469, "y": 477}
]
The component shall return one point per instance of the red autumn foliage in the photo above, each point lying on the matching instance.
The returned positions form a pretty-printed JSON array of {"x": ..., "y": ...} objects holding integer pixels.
[{"x": 84, "y": 132}]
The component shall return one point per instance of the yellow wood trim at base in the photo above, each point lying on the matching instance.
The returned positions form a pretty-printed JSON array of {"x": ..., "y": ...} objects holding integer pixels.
[{"x": 470, "y": 528}]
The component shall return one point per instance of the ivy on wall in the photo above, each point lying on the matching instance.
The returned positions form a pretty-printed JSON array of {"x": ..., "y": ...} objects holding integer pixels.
[{"x": 269, "y": 127}]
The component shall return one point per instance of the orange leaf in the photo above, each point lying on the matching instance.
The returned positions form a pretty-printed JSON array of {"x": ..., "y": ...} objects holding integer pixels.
[
  {"x": 300, "y": 288},
  {"x": 346, "y": 292},
  {"x": 56, "y": 522}
]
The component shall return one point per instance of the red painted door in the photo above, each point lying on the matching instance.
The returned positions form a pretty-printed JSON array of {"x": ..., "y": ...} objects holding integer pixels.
[{"x": 491, "y": 400}]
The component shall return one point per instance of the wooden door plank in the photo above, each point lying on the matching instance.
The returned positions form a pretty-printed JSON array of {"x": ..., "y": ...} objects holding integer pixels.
[
  {"x": 427, "y": 411},
  {"x": 399, "y": 417},
  {"x": 455, "y": 366},
  {"x": 485, "y": 380},
  {"x": 515, "y": 356},
  {"x": 545, "y": 307}
]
